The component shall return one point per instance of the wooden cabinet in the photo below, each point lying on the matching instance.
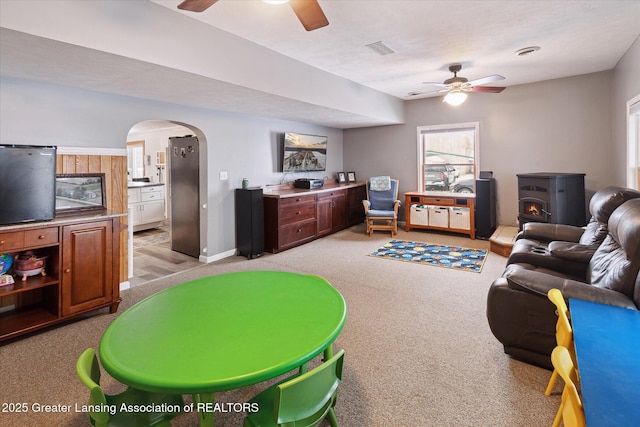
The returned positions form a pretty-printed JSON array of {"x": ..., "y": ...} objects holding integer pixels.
[
  {"x": 294, "y": 216},
  {"x": 147, "y": 206},
  {"x": 332, "y": 211},
  {"x": 87, "y": 273},
  {"x": 441, "y": 211},
  {"x": 355, "y": 209},
  {"x": 289, "y": 221},
  {"x": 81, "y": 272}
]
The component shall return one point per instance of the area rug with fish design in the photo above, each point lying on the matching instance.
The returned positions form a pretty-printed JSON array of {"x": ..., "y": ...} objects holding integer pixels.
[{"x": 437, "y": 255}]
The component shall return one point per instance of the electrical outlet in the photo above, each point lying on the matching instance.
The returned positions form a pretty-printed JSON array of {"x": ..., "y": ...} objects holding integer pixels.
[{"x": 224, "y": 175}]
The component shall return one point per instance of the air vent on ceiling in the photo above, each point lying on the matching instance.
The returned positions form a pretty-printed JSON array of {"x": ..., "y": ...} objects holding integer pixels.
[{"x": 380, "y": 48}]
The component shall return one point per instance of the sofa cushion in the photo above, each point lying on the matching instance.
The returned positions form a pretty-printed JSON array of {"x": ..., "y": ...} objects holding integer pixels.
[
  {"x": 616, "y": 263},
  {"x": 601, "y": 206}
]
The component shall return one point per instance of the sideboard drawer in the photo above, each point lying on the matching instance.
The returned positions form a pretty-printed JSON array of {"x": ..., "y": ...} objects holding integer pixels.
[
  {"x": 297, "y": 200},
  {"x": 437, "y": 201},
  {"x": 11, "y": 241},
  {"x": 293, "y": 214},
  {"x": 42, "y": 236},
  {"x": 295, "y": 233},
  {"x": 331, "y": 194}
]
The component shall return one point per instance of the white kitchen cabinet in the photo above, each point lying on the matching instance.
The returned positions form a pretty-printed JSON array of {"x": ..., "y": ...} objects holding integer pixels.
[{"x": 147, "y": 206}]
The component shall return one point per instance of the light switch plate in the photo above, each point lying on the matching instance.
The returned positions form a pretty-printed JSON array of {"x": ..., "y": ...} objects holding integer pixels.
[{"x": 224, "y": 175}]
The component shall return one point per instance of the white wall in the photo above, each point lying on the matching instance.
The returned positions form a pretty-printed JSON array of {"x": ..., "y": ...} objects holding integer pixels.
[
  {"x": 244, "y": 146},
  {"x": 561, "y": 125},
  {"x": 626, "y": 86}
]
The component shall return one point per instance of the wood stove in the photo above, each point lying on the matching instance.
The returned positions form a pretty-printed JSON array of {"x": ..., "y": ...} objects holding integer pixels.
[{"x": 555, "y": 198}]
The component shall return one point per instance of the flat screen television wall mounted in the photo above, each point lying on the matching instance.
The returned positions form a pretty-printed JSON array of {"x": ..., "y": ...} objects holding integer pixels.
[
  {"x": 304, "y": 153},
  {"x": 27, "y": 183}
]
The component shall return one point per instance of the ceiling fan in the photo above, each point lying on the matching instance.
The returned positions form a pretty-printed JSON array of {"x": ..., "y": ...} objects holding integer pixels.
[
  {"x": 456, "y": 87},
  {"x": 308, "y": 12}
]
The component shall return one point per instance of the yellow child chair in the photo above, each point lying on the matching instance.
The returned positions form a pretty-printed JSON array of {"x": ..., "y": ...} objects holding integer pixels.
[
  {"x": 564, "y": 332},
  {"x": 88, "y": 371},
  {"x": 303, "y": 400},
  {"x": 571, "y": 411},
  {"x": 381, "y": 206}
]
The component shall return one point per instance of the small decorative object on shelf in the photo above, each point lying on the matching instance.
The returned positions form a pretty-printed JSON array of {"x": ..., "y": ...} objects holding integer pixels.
[
  {"x": 351, "y": 177},
  {"x": 28, "y": 264},
  {"x": 342, "y": 178},
  {"x": 5, "y": 265}
]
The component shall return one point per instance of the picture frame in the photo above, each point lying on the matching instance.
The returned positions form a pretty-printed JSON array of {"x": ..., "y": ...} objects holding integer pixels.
[
  {"x": 351, "y": 177},
  {"x": 342, "y": 178},
  {"x": 80, "y": 193}
]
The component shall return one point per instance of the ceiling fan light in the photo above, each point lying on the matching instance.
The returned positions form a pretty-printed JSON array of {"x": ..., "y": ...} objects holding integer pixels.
[{"x": 455, "y": 97}]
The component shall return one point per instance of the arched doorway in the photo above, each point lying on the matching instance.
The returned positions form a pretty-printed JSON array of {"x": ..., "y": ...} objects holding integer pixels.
[{"x": 151, "y": 229}]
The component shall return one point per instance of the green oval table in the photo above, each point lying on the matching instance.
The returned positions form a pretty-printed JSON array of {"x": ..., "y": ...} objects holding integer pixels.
[{"x": 223, "y": 332}]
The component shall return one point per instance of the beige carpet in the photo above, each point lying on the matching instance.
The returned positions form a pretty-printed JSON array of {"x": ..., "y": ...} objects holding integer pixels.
[{"x": 419, "y": 351}]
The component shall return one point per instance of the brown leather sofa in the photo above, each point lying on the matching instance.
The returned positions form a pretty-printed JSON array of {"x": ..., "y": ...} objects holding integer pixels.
[
  {"x": 568, "y": 248},
  {"x": 523, "y": 319}
]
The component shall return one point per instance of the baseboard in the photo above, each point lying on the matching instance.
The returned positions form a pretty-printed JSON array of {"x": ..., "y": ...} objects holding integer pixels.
[
  {"x": 217, "y": 257},
  {"x": 125, "y": 285}
]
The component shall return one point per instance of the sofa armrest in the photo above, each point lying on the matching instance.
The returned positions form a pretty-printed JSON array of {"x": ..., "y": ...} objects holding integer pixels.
[
  {"x": 539, "y": 283},
  {"x": 572, "y": 251},
  {"x": 548, "y": 232}
]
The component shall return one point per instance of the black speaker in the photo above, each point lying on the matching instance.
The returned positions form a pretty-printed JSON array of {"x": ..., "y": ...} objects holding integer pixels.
[
  {"x": 249, "y": 222},
  {"x": 486, "y": 221}
]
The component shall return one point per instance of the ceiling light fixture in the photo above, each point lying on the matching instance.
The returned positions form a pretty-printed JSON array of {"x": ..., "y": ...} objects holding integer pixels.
[
  {"x": 527, "y": 50},
  {"x": 455, "y": 97}
]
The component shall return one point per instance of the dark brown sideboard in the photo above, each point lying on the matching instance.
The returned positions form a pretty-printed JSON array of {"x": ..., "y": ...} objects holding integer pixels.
[
  {"x": 294, "y": 216},
  {"x": 81, "y": 275}
]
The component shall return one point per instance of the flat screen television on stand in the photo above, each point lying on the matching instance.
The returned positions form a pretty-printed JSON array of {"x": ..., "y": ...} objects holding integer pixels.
[
  {"x": 304, "y": 153},
  {"x": 27, "y": 183}
]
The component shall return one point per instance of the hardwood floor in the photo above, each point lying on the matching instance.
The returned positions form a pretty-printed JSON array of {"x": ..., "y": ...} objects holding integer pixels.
[{"x": 153, "y": 257}]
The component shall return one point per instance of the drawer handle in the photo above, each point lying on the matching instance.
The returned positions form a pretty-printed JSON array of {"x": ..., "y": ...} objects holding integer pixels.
[
  {"x": 298, "y": 199},
  {"x": 298, "y": 213},
  {"x": 68, "y": 270},
  {"x": 2, "y": 242},
  {"x": 299, "y": 230},
  {"x": 42, "y": 236}
]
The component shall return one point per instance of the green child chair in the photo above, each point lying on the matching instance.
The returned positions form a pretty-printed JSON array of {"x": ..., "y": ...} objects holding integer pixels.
[
  {"x": 303, "y": 400},
  {"x": 88, "y": 371}
]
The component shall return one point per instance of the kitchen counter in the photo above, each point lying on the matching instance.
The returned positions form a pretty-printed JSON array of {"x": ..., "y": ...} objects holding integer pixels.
[{"x": 136, "y": 184}]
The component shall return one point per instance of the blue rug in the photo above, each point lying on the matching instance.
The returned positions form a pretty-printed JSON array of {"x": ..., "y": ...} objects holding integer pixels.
[{"x": 437, "y": 255}]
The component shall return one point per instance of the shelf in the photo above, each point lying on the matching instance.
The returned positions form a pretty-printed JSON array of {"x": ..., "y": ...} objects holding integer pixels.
[
  {"x": 18, "y": 322},
  {"x": 32, "y": 282}
]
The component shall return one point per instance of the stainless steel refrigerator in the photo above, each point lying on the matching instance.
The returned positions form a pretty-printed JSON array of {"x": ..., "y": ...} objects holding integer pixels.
[{"x": 184, "y": 187}]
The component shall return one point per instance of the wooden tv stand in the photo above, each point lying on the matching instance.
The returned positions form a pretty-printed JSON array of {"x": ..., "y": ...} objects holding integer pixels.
[
  {"x": 437, "y": 199},
  {"x": 82, "y": 271}
]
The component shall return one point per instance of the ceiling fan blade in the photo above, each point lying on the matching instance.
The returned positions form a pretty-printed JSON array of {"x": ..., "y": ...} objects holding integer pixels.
[
  {"x": 487, "y": 89},
  {"x": 436, "y": 90},
  {"x": 434, "y": 84},
  {"x": 485, "y": 80},
  {"x": 309, "y": 13},
  {"x": 196, "y": 5}
]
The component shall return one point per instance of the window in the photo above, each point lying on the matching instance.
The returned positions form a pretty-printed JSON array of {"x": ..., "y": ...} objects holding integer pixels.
[
  {"x": 633, "y": 143},
  {"x": 448, "y": 157}
]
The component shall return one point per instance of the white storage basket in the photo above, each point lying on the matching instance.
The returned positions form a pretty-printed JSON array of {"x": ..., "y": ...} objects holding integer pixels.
[
  {"x": 419, "y": 215},
  {"x": 459, "y": 218},
  {"x": 438, "y": 216}
]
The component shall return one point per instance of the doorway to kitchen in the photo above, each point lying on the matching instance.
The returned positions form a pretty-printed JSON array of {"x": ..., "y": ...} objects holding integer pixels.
[{"x": 151, "y": 255}]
